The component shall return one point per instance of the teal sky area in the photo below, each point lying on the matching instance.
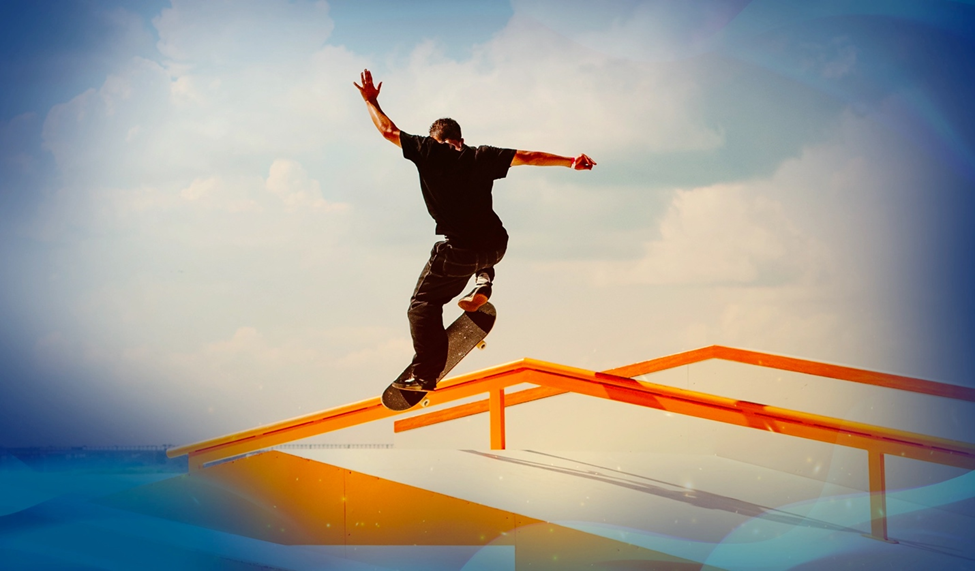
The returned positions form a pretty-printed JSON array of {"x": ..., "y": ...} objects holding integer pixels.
[
  {"x": 387, "y": 29},
  {"x": 201, "y": 230}
]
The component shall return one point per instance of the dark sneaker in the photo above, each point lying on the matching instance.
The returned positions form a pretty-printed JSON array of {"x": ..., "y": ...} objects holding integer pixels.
[
  {"x": 478, "y": 297},
  {"x": 413, "y": 384}
]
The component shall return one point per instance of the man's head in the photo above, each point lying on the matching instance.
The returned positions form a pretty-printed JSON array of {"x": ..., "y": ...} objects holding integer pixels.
[{"x": 445, "y": 129}]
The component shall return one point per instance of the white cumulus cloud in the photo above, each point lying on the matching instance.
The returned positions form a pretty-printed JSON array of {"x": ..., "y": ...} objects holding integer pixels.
[
  {"x": 717, "y": 235},
  {"x": 564, "y": 97},
  {"x": 290, "y": 182},
  {"x": 720, "y": 234},
  {"x": 239, "y": 33}
]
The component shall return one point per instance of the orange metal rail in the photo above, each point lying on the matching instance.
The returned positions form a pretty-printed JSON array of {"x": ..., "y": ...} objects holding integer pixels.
[
  {"x": 462, "y": 410},
  {"x": 800, "y": 366},
  {"x": 449, "y": 390},
  {"x": 791, "y": 364},
  {"x": 555, "y": 379}
]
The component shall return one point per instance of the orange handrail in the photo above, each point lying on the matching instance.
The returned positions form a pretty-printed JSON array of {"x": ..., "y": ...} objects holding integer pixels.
[
  {"x": 885, "y": 380},
  {"x": 335, "y": 418},
  {"x": 477, "y": 407},
  {"x": 754, "y": 415},
  {"x": 559, "y": 378},
  {"x": 795, "y": 365}
]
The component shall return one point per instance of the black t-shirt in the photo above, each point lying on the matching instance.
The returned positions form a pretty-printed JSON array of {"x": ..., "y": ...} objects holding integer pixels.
[{"x": 456, "y": 187}]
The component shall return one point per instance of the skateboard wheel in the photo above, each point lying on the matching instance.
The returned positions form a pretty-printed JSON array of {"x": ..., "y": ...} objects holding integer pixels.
[
  {"x": 425, "y": 403},
  {"x": 481, "y": 345}
]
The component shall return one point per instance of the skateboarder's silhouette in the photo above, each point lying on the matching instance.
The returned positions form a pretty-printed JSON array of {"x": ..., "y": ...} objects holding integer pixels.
[{"x": 456, "y": 182}]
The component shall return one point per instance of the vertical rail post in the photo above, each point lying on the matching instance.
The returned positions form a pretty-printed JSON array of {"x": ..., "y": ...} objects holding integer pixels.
[
  {"x": 878, "y": 496},
  {"x": 497, "y": 419}
]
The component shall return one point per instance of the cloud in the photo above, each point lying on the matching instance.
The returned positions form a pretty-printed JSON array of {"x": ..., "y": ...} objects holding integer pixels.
[
  {"x": 200, "y": 188},
  {"x": 204, "y": 122},
  {"x": 391, "y": 352},
  {"x": 251, "y": 375},
  {"x": 836, "y": 212},
  {"x": 635, "y": 30},
  {"x": 242, "y": 33},
  {"x": 160, "y": 137},
  {"x": 290, "y": 182},
  {"x": 563, "y": 98},
  {"x": 213, "y": 192},
  {"x": 726, "y": 234},
  {"x": 113, "y": 134},
  {"x": 814, "y": 260},
  {"x": 719, "y": 235},
  {"x": 177, "y": 119}
]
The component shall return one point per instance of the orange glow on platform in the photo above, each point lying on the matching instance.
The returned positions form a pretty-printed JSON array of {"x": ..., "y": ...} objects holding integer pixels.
[{"x": 288, "y": 500}]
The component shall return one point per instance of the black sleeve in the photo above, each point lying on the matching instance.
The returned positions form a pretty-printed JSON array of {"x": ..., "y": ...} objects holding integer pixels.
[
  {"x": 411, "y": 145},
  {"x": 495, "y": 161}
]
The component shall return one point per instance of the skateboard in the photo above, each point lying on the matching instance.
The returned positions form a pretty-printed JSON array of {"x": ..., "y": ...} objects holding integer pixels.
[{"x": 463, "y": 335}]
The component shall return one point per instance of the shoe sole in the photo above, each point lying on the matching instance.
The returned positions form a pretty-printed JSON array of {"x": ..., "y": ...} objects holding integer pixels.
[{"x": 473, "y": 304}]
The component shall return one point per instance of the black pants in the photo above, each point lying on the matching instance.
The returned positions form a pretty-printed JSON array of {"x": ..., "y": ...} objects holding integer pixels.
[{"x": 442, "y": 279}]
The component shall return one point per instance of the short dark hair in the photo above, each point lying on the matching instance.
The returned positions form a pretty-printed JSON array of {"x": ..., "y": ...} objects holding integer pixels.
[{"x": 444, "y": 129}]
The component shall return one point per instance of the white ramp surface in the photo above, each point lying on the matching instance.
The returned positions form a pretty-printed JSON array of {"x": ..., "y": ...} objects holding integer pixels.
[{"x": 705, "y": 508}]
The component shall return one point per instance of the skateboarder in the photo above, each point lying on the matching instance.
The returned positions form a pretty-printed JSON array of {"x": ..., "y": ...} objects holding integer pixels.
[{"x": 456, "y": 182}]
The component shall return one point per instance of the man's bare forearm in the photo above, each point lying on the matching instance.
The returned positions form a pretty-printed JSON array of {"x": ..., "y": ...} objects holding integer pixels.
[
  {"x": 370, "y": 94},
  {"x": 543, "y": 159},
  {"x": 382, "y": 122},
  {"x": 540, "y": 159}
]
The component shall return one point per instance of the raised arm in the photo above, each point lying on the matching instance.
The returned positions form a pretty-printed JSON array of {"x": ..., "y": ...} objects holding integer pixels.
[
  {"x": 370, "y": 94},
  {"x": 540, "y": 159}
]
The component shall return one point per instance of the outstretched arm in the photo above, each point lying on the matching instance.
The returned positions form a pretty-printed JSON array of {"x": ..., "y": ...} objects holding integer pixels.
[
  {"x": 540, "y": 159},
  {"x": 370, "y": 94}
]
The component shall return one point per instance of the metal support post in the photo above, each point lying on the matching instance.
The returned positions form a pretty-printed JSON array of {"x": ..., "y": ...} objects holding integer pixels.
[
  {"x": 878, "y": 496},
  {"x": 497, "y": 419}
]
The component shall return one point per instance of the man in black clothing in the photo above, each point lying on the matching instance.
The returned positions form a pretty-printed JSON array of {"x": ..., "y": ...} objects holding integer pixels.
[{"x": 456, "y": 182}]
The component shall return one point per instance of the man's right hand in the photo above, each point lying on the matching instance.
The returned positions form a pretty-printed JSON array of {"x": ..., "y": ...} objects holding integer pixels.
[{"x": 367, "y": 90}]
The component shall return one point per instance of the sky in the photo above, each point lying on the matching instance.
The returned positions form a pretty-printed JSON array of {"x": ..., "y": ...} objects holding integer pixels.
[{"x": 201, "y": 231}]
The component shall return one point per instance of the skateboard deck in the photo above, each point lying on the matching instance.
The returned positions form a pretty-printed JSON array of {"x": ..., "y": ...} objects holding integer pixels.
[{"x": 463, "y": 335}]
